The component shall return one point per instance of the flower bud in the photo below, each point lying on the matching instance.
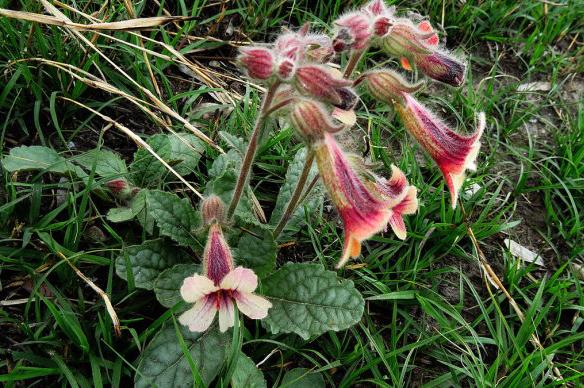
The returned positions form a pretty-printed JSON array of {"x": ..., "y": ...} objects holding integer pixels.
[
  {"x": 320, "y": 82},
  {"x": 291, "y": 45},
  {"x": 121, "y": 189},
  {"x": 213, "y": 210},
  {"x": 286, "y": 69},
  {"x": 258, "y": 61},
  {"x": 419, "y": 45},
  {"x": 353, "y": 32},
  {"x": 387, "y": 85},
  {"x": 319, "y": 48},
  {"x": 311, "y": 119}
]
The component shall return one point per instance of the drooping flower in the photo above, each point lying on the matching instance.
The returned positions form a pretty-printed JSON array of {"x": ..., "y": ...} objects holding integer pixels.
[
  {"x": 453, "y": 153},
  {"x": 366, "y": 203},
  {"x": 219, "y": 287},
  {"x": 258, "y": 61},
  {"x": 311, "y": 119},
  {"x": 419, "y": 44}
]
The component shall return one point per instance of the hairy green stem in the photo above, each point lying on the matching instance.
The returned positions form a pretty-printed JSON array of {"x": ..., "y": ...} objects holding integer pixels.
[
  {"x": 251, "y": 149},
  {"x": 296, "y": 195},
  {"x": 353, "y": 61}
]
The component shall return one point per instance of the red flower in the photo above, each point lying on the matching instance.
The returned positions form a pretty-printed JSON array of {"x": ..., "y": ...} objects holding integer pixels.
[
  {"x": 319, "y": 81},
  {"x": 366, "y": 203},
  {"x": 354, "y": 31},
  {"x": 452, "y": 152}
]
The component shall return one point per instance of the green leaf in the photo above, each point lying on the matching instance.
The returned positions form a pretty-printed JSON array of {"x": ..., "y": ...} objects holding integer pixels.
[
  {"x": 175, "y": 217},
  {"x": 311, "y": 204},
  {"x": 107, "y": 163},
  {"x": 256, "y": 253},
  {"x": 302, "y": 378},
  {"x": 26, "y": 158},
  {"x": 185, "y": 151},
  {"x": 236, "y": 143},
  {"x": 228, "y": 161},
  {"x": 141, "y": 211},
  {"x": 146, "y": 169},
  {"x": 167, "y": 284},
  {"x": 309, "y": 300},
  {"x": 182, "y": 151},
  {"x": 246, "y": 374},
  {"x": 120, "y": 214},
  {"x": 147, "y": 261},
  {"x": 163, "y": 364}
]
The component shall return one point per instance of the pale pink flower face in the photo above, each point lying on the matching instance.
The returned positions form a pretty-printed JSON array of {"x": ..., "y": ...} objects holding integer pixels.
[
  {"x": 219, "y": 288},
  {"x": 452, "y": 152},
  {"x": 366, "y": 203}
]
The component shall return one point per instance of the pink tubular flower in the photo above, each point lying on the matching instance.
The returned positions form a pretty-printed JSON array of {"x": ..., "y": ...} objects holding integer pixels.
[
  {"x": 418, "y": 44},
  {"x": 218, "y": 287},
  {"x": 258, "y": 61},
  {"x": 452, "y": 152},
  {"x": 320, "y": 82},
  {"x": 366, "y": 203},
  {"x": 387, "y": 85},
  {"x": 312, "y": 119},
  {"x": 354, "y": 31}
]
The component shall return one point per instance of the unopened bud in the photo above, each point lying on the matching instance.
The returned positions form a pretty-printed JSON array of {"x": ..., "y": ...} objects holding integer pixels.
[
  {"x": 286, "y": 69},
  {"x": 258, "y": 61},
  {"x": 353, "y": 32},
  {"x": 121, "y": 189},
  {"x": 443, "y": 68},
  {"x": 311, "y": 119},
  {"x": 213, "y": 210},
  {"x": 291, "y": 45},
  {"x": 319, "y": 48},
  {"x": 318, "y": 81},
  {"x": 387, "y": 85}
]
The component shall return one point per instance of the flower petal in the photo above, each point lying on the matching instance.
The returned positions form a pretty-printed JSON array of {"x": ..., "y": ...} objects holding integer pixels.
[
  {"x": 252, "y": 305},
  {"x": 226, "y": 313},
  {"x": 195, "y": 287},
  {"x": 240, "y": 279},
  {"x": 200, "y": 317}
]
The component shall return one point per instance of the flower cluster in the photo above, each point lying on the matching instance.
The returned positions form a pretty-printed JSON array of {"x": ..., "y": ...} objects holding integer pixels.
[{"x": 318, "y": 100}]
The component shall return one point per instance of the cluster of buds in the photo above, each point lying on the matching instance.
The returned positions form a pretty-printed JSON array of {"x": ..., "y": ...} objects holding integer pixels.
[
  {"x": 319, "y": 100},
  {"x": 220, "y": 285}
]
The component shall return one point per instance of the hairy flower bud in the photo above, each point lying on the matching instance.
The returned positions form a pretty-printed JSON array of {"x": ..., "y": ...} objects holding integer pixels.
[
  {"x": 319, "y": 81},
  {"x": 311, "y": 119},
  {"x": 121, "y": 189},
  {"x": 353, "y": 32},
  {"x": 418, "y": 44},
  {"x": 259, "y": 62},
  {"x": 213, "y": 210},
  {"x": 387, "y": 85},
  {"x": 291, "y": 45},
  {"x": 319, "y": 48}
]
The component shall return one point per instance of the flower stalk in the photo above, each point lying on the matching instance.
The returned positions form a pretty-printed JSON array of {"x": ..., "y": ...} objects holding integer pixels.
[{"x": 252, "y": 148}]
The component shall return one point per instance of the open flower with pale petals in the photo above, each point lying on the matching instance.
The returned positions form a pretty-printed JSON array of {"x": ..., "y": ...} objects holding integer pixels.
[
  {"x": 366, "y": 203},
  {"x": 453, "y": 153},
  {"x": 219, "y": 287}
]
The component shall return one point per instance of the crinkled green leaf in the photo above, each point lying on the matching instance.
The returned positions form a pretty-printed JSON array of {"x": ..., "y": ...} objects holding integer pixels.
[
  {"x": 302, "y": 378},
  {"x": 147, "y": 171},
  {"x": 235, "y": 142},
  {"x": 163, "y": 363},
  {"x": 230, "y": 160},
  {"x": 311, "y": 204},
  {"x": 224, "y": 186},
  {"x": 257, "y": 253},
  {"x": 167, "y": 284},
  {"x": 26, "y": 158},
  {"x": 120, "y": 214},
  {"x": 174, "y": 216},
  {"x": 185, "y": 151},
  {"x": 246, "y": 374},
  {"x": 309, "y": 300},
  {"x": 141, "y": 211},
  {"x": 147, "y": 261},
  {"x": 107, "y": 163}
]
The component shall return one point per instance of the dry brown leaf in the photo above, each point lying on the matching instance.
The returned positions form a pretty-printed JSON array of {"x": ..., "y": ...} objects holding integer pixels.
[{"x": 125, "y": 25}]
